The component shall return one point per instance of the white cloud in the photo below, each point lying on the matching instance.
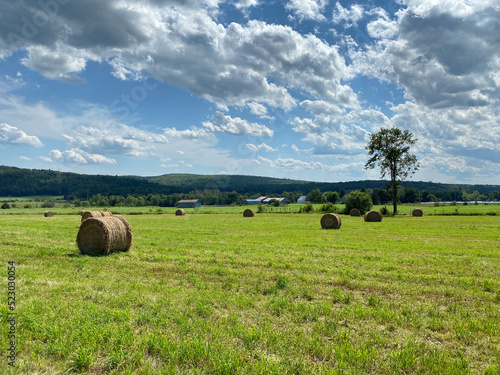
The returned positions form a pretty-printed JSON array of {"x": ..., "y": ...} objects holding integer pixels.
[
  {"x": 237, "y": 126},
  {"x": 80, "y": 157},
  {"x": 348, "y": 17},
  {"x": 60, "y": 63},
  {"x": 12, "y": 135},
  {"x": 448, "y": 164},
  {"x": 299, "y": 165},
  {"x": 193, "y": 133},
  {"x": 442, "y": 55},
  {"x": 185, "y": 46},
  {"x": 121, "y": 140},
  {"x": 262, "y": 146},
  {"x": 242, "y": 4},
  {"x": 308, "y": 9},
  {"x": 22, "y": 157}
]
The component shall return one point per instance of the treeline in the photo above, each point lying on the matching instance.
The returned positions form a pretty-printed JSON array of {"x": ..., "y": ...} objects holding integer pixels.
[
  {"x": 216, "y": 189},
  {"x": 217, "y": 197}
]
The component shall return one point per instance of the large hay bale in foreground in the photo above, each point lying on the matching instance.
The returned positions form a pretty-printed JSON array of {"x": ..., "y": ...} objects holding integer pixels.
[
  {"x": 355, "y": 212},
  {"x": 417, "y": 212},
  {"x": 48, "y": 214},
  {"x": 180, "y": 212},
  {"x": 331, "y": 221},
  {"x": 88, "y": 214},
  {"x": 248, "y": 213},
  {"x": 373, "y": 216},
  {"x": 104, "y": 235}
]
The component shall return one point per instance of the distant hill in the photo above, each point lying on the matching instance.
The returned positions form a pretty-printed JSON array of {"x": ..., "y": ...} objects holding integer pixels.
[{"x": 18, "y": 182}]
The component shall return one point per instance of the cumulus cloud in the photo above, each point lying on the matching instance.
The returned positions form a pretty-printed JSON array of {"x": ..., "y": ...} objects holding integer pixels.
[
  {"x": 121, "y": 140},
  {"x": 60, "y": 63},
  {"x": 237, "y": 126},
  {"x": 193, "y": 133},
  {"x": 442, "y": 55},
  {"x": 80, "y": 157},
  {"x": 12, "y": 135},
  {"x": 348, "y": 16},
  {"x": 307, "y": 9},
  {"x": 299, "y": 165},
  {"x": 185, "y": 46},
  {"x": 262, "y": 146},
  {"x": 243, "y": 4}
]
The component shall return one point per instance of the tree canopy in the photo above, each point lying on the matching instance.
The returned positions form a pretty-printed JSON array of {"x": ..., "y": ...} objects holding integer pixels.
[{"x": 390, "y": 150}]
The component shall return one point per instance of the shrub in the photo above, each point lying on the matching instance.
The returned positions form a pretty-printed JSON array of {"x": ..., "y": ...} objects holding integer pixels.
[
  {"x": 5, "y": 206},
  {"x": 357, "y": 199},
  {"x": 384, "y": 211},
  {"x": 28, "y": 206},
  {"x": 307, "y": 208},
  {"x": 329, "y": 207},
  {"x": 261, "y": 208},
  {"x": 48, "y": 204}
]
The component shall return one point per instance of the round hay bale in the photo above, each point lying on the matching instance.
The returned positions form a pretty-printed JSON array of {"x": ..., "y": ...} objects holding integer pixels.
[
  {"x": 248, "y": 213},
  {"x": 88, "y": 214},
  {"x": 373, "y": 216},
  {"x": 104, "y": 235},
  {"x": 106, "y": 213},
  {"x": 180, "y": 212},
  {"x": 331, "y": 221},
  {"x": 417, "y": 212},
  {"x": 355, "y": 212},
  {"x": 48, "y": 214}
]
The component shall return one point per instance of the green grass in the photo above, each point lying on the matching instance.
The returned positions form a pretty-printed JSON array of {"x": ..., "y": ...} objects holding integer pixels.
[
  {"x": 449, "y": 210},
  {"x": 273, "y": 294}
]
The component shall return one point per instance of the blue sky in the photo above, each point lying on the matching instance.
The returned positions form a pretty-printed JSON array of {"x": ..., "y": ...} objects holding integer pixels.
[{"x": 270, "y": 88}]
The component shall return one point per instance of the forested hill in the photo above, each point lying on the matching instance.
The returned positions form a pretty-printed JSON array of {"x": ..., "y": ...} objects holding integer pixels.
[{"x": 18, "y": 182}]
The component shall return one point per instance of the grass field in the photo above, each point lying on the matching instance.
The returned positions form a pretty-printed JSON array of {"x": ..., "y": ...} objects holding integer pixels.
[{"x": 273, "y": 294}]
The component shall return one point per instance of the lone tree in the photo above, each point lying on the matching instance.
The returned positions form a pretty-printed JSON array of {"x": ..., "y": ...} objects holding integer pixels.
[{"x": 390, "y": 150}]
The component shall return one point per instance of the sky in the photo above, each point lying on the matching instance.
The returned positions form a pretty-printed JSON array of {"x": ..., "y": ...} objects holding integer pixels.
[{"x": 288, "y": 89}]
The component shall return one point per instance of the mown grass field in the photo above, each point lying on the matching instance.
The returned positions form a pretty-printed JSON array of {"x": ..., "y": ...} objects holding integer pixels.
[{"x": 273, "y": 294}]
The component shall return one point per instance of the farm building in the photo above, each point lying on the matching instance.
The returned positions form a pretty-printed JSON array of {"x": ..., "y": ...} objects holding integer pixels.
[
  {"x": 303, "y": 200},
  {"x": 281, "y": 200},
  {"x": 189, "y": 203},
  {"x": 253, "y": 201}
]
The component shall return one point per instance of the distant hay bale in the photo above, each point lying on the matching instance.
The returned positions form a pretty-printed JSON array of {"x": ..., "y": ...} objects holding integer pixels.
[
  {"x": 331, "y": 221},
  {"x": 106, "y": 213},
  {"x": 248, "y": 213},
  {"x": 373, "y": 216},
  {"x": 48, "y": 214},
  {"x": 104, "y": 235},
  {"x": 180, "y": 212},
  {"x": 88, "y": 214},
  {"x": 417, "y": 212},
  {"x": 355, "y": 212}
]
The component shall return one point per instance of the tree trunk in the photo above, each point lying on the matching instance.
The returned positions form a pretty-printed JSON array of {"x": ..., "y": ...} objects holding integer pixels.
[
  {"x": 394, "y": 189},
  {"x": 394, "y": 197}
]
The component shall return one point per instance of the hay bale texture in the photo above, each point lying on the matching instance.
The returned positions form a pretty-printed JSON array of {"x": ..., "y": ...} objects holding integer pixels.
[
  {"x": 417, "y": 212},
  {"x": 248, "y": 213},
  {"x": 373, "y": 216},
  {"x": 87, "y": 214},
  {"x": 180, "y": 212},
  {"x": 48, "y": 214},
  {"x": 355, "y": 212},
  {"x": 331, "y": 221},
  {"x": 104, "y": 235}
]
